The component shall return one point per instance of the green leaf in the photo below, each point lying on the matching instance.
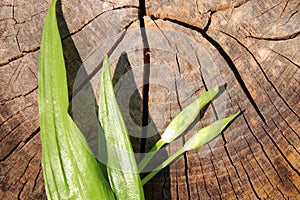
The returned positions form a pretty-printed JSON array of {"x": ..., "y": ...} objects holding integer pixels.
[
  {"x": 70, "y": 169},
  {"x": 180, "y": 123},
  {"x": 184, "y": 119},
  {"x": 121, "y": 165},
  {"x": 208, "y": 133},
  {"x": 200, "y": 138}
]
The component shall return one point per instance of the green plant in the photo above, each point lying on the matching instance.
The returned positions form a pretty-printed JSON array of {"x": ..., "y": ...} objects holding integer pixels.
[
  {"x": 70, "y": 169},
  {"x": 121, "y": 167}
]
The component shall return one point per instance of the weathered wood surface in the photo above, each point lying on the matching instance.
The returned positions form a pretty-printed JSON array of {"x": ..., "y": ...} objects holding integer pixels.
[{"x": 252, "y": 46}]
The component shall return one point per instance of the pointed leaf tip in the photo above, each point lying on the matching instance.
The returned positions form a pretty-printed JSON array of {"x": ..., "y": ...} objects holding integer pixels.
[{"x": 208, "y": 133}]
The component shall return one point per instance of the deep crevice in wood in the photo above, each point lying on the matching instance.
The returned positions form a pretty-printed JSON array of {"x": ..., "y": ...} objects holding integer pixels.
[
  {"x": 146, "y": 76},
  {"x": 32, "y": 135}
]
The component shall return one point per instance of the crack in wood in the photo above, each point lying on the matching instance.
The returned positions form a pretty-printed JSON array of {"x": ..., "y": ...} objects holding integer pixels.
[
  {"x": 282, "y": 154},
  {"x": 262, "y": 148},
  {"x": 278, "y": 38},
  {"x": 202, "y": 172},
  {"x": 283, "y": 118},
  {"x": 17, "y": 40},
  {"x": 154, "y": 21},
  {"x": 262, "y": 70},
  {"x": 20, "y": 144},
  {"x": 99, "y": 66},
  {"x": 177, "y": 190},
  {"x": 230, "y": 5},
  {"x": 292, "y": 15},
  {"x": 31, "y": 17},
  {"x": 36, "y": 178},
  {"x": 3, "y": 102},
  {"x": 286, "y": 137},
  {"x": 283, "y": 180},
  {"x": 186, "y": 168},
  {"x": 209, "y": 21},
  {"x": 206, "y": 89},
  {"x": 146, "y": 76},
  {"x": 12, "y": 130},
  {"x": 164, "y": 184},
  {"x": 183, "y": 139},
  {"x": 261, "y": 168},
  {"x": 267, "y": 10},
  {"x": 227, "y": 59},
  {"x": 94, "y": 18},
  {"x": 290, "y": 60},
  {"x": 21, "y": 190},
  {"x": 285, "y": 6},
  {"x": 177, "y": 95},
  {"x": 27, "y": 166},
  {"x": 11, "y": 151},
  {"x": 14, "y": 114},
  {"x": 16, "y": 57},
  {"x": 216, "y": 115},
  {"x": 198, "y": 192},
  {"x": 25, "y": 52},
  {"x": 230, "y": 181},
  {"x": 20, "y": 178},
  {"x": 214, "y": 170},
  {"x": 250, "y": 182},
  {"x": 32, "y": 135}
]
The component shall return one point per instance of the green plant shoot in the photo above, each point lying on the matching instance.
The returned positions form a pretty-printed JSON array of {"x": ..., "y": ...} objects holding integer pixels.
[
  {"x": 180, "y": 123},
  {"x": 69, "y": 168},
  {"x": 200, "y": 138},
  {"x": 121, "y": 164}
]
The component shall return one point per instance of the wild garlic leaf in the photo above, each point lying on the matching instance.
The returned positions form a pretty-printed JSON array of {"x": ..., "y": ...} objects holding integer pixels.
[
  {"x": 180, "y": 123},
  {"x": 121, "y": 164},
  {"x": 69, "y": 168},
  {"x": 186, "y": 117},
  {"x": 200, "y": 138},
  {"x": 208, "y": 133}
]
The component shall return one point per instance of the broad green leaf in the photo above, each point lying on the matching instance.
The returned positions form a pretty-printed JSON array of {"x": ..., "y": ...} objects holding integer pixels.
[
  {"x": 70, "y": 169},
  {"x": 121, "y": 165},
  {"x": 200, "y": 138},
  {"x": 180, "y": 123}
]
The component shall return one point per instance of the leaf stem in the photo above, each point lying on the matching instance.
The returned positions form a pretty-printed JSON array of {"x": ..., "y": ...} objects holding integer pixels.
[
  {"x": 150, "y": 154},
  {"x": 163, "y": 165}
]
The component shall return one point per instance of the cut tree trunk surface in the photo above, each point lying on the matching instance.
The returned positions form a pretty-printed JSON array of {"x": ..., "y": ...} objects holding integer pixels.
[{"x": 181, "y": 48}]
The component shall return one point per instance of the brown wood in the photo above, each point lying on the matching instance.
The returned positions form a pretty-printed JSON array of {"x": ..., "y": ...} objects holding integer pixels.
[{"x": 191, "y": 45}]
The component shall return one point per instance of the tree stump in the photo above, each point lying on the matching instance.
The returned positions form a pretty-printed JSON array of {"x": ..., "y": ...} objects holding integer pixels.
[{"x": 179, "y": 49}]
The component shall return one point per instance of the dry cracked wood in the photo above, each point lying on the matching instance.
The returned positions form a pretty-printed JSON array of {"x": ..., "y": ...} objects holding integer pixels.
[{"x": 191, "y": 45}]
